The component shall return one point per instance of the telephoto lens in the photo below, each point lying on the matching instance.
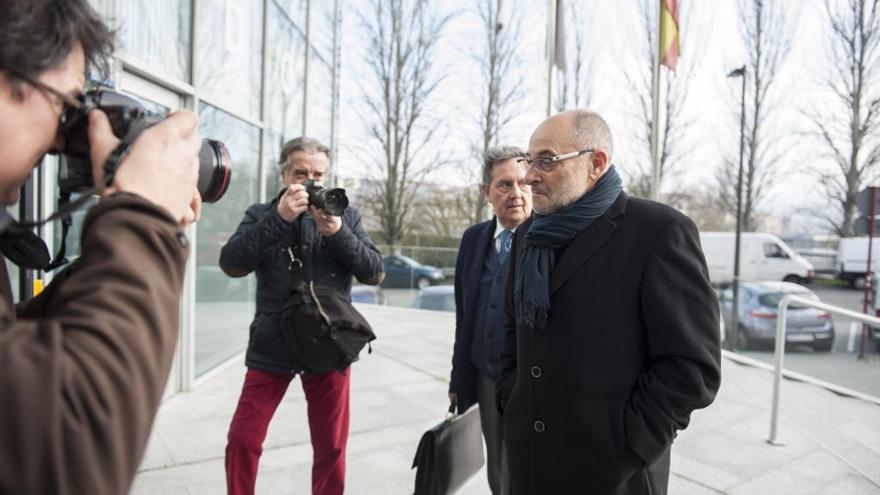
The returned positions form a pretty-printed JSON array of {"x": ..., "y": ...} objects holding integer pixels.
[{"x": 333, "y": 200}]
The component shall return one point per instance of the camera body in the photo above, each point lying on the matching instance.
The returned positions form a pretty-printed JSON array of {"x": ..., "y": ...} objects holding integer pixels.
[
  {"x": 128, "y": 118},
  {"x": 331, "y": 200}
]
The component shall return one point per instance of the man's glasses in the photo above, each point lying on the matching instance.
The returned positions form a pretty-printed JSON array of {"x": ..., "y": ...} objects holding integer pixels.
[
  {"x": 546, "y": 164},
  {"x": 71, "y": 106}
]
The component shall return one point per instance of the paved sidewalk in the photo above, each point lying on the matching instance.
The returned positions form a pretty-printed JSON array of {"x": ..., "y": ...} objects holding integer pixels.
[{"x": 832, "y": 443}]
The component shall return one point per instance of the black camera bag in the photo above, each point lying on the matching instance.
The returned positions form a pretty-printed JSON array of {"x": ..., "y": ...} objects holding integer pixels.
[{"x": 323, "y": 330}]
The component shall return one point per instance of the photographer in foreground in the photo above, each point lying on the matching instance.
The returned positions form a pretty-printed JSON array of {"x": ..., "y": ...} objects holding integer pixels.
[
  {"x": 84, "y": 364},
  {"x": 291, "y": 232}
]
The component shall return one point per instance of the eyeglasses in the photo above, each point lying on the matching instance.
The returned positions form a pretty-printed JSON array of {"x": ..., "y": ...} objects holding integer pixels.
[
  {"x": 70, "y": 105},
  {"x": 546, "y": 164}
]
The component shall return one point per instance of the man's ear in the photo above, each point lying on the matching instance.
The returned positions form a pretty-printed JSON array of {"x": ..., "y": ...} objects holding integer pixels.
[
  {"x": 484, "y": 188},
  {"x": 598, "y": 164}
]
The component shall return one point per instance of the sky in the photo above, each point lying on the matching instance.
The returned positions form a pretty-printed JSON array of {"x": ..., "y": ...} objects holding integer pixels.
[{"x": 711, "y": 37}]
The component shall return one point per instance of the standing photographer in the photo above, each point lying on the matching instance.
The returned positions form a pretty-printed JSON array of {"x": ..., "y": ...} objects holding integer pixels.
[
  {"x": 332, "y": 249},
  {"x": 83, "y": 365}
]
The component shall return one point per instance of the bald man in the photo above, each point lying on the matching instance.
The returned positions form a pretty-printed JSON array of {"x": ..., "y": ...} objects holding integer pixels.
[{"x": 612, "y": 327}]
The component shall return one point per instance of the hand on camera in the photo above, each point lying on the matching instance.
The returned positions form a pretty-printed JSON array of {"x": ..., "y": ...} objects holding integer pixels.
[
  {"x": 162, "y": 165},
  {"x": 293, "y": 202},
  {"x": 327, "y": 224}
]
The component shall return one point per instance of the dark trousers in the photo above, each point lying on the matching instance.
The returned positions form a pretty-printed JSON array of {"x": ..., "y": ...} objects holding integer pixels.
[
  {"x": 327, "y": 395},
  {"x": 496, "y": 457}
]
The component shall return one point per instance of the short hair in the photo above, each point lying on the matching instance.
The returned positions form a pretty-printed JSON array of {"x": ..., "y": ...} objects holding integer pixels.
[
  {"x": 38, "y": 35},
  {"x": 495, "y": 154},
  {"x": 591, "y": 131},
  {"x": 301, "y": 143}
]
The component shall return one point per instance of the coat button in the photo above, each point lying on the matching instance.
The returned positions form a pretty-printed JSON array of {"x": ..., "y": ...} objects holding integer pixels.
[
  {"x": 540, "y": 426},
  {"x": 182, "y": 239},
  {"x": 536, "y": 372}
]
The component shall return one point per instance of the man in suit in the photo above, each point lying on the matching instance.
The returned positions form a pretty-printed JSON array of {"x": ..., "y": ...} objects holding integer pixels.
[
  {"x": 612, "y": 326},
  {"x": 480, "y": 283}
]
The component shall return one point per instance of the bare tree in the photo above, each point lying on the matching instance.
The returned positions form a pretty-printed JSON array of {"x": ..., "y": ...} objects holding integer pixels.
[
  {"x": 401, "y": 38},
  {"x": 501, "y": 91},
  {"x": 573, "y": 90},
  {"x": 439, "y": 214},
  {"x": 851, "y": 132},
  {"x": 674, "y": 147},
  {"x": 767, "y": 38}
]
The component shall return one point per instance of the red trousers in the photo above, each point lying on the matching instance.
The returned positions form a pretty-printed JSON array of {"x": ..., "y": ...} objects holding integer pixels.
[{"x": 327, "y": 395}]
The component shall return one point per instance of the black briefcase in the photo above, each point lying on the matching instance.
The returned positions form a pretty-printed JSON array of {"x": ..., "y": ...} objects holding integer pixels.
[{"x": 449, "y": 454}]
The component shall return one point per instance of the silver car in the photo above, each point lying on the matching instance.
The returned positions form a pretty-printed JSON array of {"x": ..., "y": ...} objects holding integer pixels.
[
  {"x": 436, "y": 298},
  {"x": 758, "y": 307}
]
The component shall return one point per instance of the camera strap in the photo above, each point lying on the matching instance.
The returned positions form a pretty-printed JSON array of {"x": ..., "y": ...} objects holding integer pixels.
[{"x": 19, "y": 238}]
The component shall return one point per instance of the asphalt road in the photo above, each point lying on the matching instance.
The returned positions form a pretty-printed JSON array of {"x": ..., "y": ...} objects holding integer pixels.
[{"x": 841, "y": 366}]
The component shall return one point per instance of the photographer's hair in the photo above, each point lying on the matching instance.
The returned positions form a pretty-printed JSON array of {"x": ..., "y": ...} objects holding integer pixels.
[
  {"x": 591, "y": 131},
  {"x": 496, "y": 154},
  {"x": 302, "y": 143},
  {"x": 38, "y": 35}
]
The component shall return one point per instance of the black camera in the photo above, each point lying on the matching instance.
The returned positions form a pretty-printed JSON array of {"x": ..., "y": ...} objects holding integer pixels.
[
  {"x": 128, "y": 119},
  {"x": 333, "y": 200}
]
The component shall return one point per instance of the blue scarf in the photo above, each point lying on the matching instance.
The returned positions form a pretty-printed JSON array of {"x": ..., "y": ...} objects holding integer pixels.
[{"x": 548, "y": 233}]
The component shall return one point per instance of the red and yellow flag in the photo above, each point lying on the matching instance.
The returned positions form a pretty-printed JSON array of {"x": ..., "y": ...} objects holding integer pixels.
[{"x": 669, "y": 33}]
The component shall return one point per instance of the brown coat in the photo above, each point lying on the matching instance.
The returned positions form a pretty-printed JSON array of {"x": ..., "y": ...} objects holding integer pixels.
[{"x": 83, "y": 366}]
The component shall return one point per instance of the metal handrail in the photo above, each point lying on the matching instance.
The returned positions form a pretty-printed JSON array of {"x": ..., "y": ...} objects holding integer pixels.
[{"x": 780, "y": 346}]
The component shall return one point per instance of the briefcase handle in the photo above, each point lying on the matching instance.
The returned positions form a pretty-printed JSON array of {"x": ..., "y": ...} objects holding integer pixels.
[{"x": 450, "y": 413}]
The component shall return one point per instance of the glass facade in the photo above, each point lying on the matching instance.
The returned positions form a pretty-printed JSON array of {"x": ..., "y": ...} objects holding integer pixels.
[
  {"x": 230, "y": 54},
  {"x": 224, "y": 305},
  {"x": 157, "y": 33},
  {"x": 211, "y": 56}
]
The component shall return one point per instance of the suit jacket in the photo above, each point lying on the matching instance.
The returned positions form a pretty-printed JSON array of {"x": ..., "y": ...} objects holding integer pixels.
[
  {"x": 631, "y": 347},
  {"x": 469, "y": 264},
  {"x": 83, "y": 365}
]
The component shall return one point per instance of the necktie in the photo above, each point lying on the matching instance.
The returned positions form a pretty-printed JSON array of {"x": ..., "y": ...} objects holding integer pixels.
[{"x": 506, "y": 238}]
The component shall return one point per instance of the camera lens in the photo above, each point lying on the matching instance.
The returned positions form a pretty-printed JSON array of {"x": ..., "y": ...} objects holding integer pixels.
[
  {"x": 335, "y": 202},
  {"x": 215, "y": 170}
]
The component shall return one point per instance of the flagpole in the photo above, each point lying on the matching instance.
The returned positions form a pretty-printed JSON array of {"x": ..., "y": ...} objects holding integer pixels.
[
  {"x": 551, "y": 53},
  {"x": 655, "y": 120}
]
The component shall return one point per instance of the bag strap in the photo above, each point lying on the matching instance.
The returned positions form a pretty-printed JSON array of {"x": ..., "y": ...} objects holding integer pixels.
[{"x": 292, "y": 243}]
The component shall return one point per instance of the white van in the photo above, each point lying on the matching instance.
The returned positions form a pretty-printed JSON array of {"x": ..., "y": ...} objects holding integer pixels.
[
  {"x": 852, "y": 259},
  {"x": 762, "y": 257}
]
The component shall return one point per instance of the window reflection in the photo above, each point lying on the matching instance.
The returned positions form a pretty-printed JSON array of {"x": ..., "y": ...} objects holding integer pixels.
[
  {"x": 229, "y": 40},
  {"x": 286, "y": 75},
  {"x": 320, "y": 102},
  {"x": 157, "y": 33},
  {"x": 224, "y": 305}
]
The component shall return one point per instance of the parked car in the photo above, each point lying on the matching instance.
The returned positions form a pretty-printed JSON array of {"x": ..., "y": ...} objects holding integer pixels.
[
  {"x": 439, "y": 298},
  {"x": 367, "y": 294},
  {"x": 762, "y": 257},
  {"x": 403, "y": 271},
  {"x": 758, "y": 308}
]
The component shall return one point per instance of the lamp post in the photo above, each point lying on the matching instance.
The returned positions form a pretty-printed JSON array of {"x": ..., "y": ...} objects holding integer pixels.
[{"x": 741, "y": 72}]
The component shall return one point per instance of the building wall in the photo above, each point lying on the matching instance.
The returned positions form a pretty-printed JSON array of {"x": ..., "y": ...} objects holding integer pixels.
[{"x": 257, "y": 72}]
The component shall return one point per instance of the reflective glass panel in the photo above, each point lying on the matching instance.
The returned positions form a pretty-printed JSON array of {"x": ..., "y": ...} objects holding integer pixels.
[
  {"x": 230, "y": 54},
  {"x": 285, "y": 75},
  {"x": 224, "y": 305},
  {"x": 320, "y": 101},
  {"x": 157, "y": 33}
]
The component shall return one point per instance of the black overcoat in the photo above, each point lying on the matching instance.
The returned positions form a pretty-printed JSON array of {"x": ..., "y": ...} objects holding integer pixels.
[{"x": 592, "y": 403}]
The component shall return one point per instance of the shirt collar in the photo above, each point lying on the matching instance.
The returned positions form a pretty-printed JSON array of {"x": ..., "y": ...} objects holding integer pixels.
[{"x": 500, "y": 228}]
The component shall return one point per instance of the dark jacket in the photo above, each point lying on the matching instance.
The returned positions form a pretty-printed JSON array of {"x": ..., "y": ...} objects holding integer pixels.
[
  {"x": 469, "y": 265},
  {"x": 593, "y": 401},
  {"x": 258, "y": 245},
  {"x": 83, "y": 365}
]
